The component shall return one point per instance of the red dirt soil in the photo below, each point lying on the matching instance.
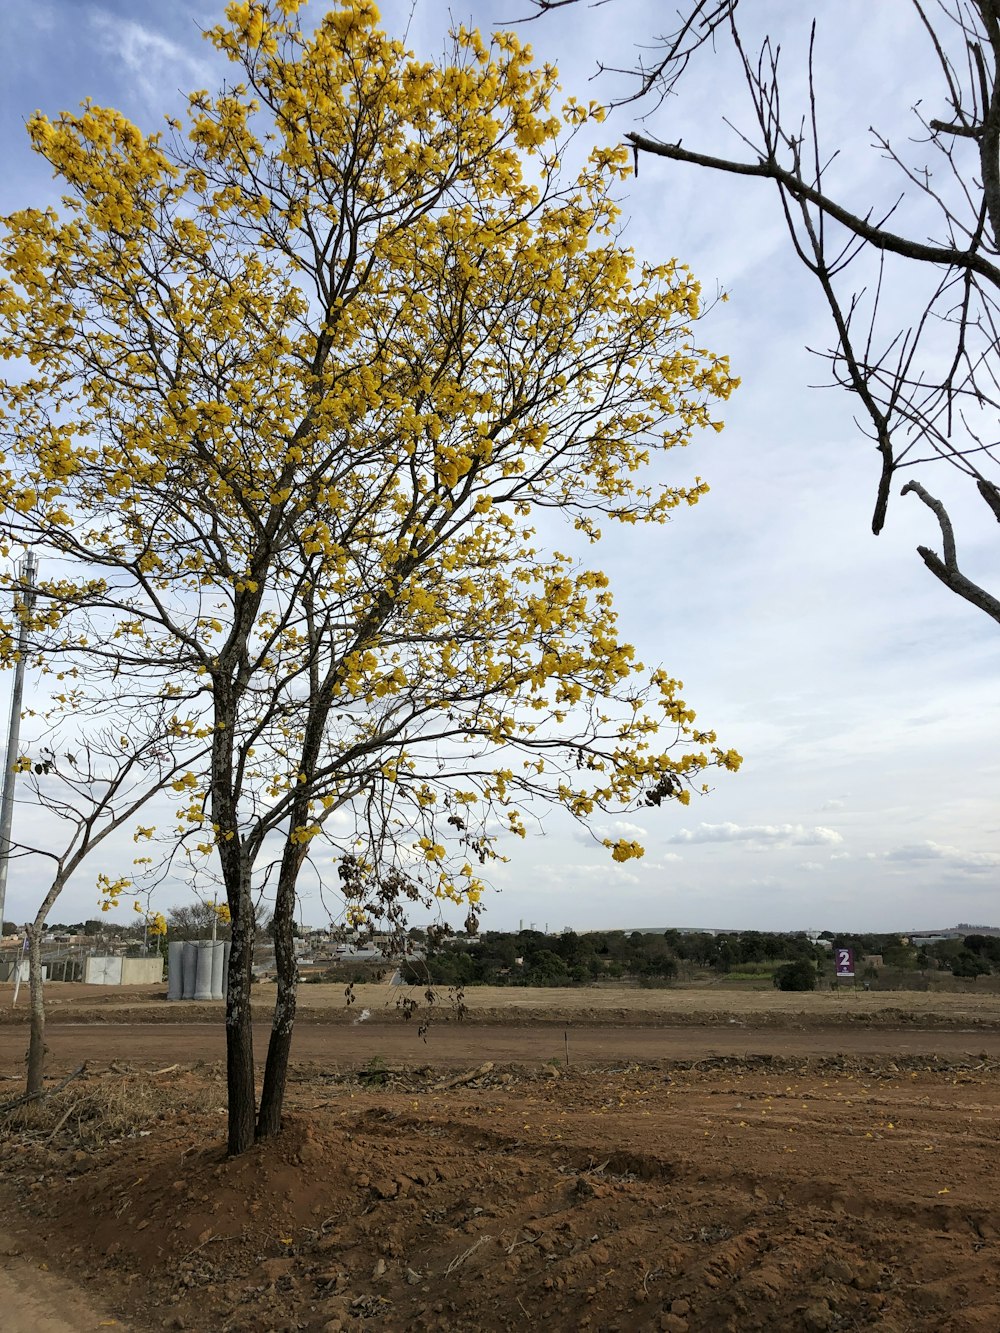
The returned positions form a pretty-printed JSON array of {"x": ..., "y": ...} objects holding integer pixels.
[
  {"x": 734, "y": 1195},
  {"x": 590, "y": 1006},
  {"x": 332, "y": 1049},
  {"x": 709, "y": 1161}
]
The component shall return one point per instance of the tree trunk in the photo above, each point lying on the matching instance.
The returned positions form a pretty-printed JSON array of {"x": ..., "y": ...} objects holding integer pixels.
[
  {"x": 36, "y": 1040},
  {"x": 236, "y": 863},
  {"x": 280, "y": 1045},
  {"x": 240, "y": 1081},
  {"x": 279, "y": 1048}
]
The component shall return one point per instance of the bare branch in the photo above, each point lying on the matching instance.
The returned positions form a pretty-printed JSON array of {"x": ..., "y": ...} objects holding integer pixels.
[
  {"x": 876, "y": 236},
  {"x": 919, "y": 403},
  {"x": 947, "y": 569},
  {"x": 47, "y": 1092}
]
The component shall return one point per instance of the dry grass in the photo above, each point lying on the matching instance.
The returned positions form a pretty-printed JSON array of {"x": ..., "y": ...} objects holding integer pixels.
[
  {"x": 98, "y": 1109},
  {"x": 677, "y": 1003}
]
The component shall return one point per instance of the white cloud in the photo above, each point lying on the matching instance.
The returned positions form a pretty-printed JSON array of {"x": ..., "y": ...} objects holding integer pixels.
[
  {"x": 953, "y": 857},
  {"x": 158, "y": 65},
  {"x": 625, "y": 829},
  {"x": 573, "y": 875},
  {"x": 775, "y": 836},
  {"x": 41, "y": 16},
  {"x": 617, "y": 828}
]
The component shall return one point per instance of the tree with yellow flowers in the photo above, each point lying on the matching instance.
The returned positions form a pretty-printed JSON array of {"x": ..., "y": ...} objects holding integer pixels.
[{"x": 296, "y": 379}]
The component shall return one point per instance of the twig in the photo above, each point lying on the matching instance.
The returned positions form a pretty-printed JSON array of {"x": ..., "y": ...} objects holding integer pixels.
[
  {"x": 468, "y": 1077},
  {"x": 207, "y": 1241},
  {"x": 461, "y": 1258},
  {"x": 516, "y": 1244},
  {"x": 63, "y": 1118},
  {"x": 45, "y": 1092}
]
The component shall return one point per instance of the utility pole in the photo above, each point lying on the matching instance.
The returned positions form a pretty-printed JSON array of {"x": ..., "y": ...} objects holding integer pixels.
[{"x": 27, "y": 572}]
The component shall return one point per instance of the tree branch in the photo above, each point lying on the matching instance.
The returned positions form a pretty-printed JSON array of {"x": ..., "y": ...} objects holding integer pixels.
[
  {"x": 947, "y": 570},
  {"x": 991, "y": 494},
  {"x": 878, "y": 237},
  {"x": 46, "y": 1092}
]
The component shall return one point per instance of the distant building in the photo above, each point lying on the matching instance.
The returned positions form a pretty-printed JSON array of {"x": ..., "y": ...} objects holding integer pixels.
[{"x": 349, "y": 953}]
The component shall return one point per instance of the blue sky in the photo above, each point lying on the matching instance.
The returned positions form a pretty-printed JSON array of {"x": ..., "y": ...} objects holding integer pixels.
[{"x": 861, "y": 693}]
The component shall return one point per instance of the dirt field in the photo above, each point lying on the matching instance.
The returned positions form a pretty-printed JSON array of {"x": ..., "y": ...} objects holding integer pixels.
[
  {"x": 812, "y": 1177},
  {"x": 683, "y": 1006},
  {"x": 328, "y": 1049}
]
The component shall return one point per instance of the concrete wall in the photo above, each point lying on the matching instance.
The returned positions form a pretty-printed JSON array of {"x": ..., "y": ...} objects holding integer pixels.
[
  {"x": 142, "y": 971},
  {"x": 8, "y": 970},
  {"x": 114, "y": 971},
  {"x": 103, "y": 971}
]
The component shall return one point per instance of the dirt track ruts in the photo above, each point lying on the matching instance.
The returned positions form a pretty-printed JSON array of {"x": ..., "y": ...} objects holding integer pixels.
[{"x": 455, "y": 1045}]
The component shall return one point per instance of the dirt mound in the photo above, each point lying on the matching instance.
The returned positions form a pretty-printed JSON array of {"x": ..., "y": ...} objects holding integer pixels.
[{"x": 702, "y": 1199}]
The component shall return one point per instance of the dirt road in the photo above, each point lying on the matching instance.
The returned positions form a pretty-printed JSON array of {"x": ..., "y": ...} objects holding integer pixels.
[
  {"x": 33, "y": 1299},
  {"x": 583, "y": 1006},
  {"x": 453, "y": 1045}
]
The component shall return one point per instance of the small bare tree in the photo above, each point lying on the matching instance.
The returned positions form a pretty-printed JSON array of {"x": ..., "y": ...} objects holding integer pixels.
[
  {"x": 928, "y": 385},
  {"x": 88, "y": 791}
]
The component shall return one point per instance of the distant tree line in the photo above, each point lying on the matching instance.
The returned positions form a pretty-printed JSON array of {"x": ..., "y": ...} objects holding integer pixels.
[
  {"x": 531, "y": 958},
  {"x": 92, "y": 927},
  {"x": 970, "y": 955}
]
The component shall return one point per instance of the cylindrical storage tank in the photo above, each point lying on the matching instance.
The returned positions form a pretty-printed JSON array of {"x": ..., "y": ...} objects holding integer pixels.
[
  {"x": 218, "y": 951},
  {"x": 203, "y": 970},
  {"x": 188, "y": 966},
  {"x": 175, "y": 980},
  {"x": 227, "y": 949}
]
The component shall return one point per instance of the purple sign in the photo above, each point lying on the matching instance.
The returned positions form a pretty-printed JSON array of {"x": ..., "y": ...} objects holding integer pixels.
[{"x": 845, "y": 962}]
